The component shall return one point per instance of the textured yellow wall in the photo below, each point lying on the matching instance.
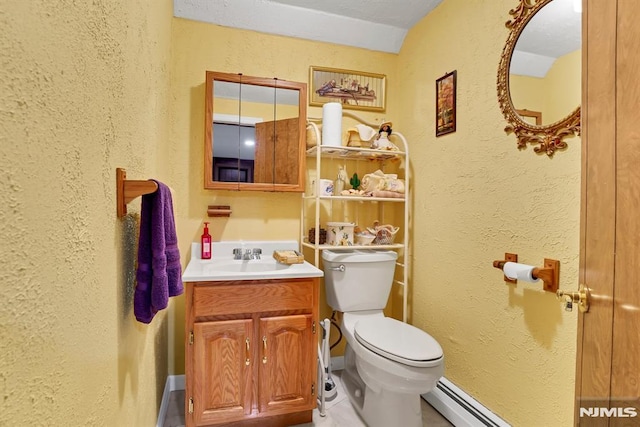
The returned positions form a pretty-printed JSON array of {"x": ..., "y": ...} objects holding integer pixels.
[
  {"x": 89, "y": 88},
  {"x": 476, "y": 197},
  {"x": 84, "y": 89}
]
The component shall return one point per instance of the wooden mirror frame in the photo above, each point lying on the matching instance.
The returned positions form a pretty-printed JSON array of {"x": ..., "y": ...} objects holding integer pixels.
[
  {"x": 545, "y": 138},
  {"x": 275, "y": 83}
]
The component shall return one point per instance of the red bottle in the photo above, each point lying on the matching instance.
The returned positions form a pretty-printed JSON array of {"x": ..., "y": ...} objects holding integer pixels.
[{"x": 205, "y": 243}]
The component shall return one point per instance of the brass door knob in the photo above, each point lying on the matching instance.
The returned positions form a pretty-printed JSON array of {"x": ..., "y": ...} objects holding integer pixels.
[{"x": 581, "y": 298}]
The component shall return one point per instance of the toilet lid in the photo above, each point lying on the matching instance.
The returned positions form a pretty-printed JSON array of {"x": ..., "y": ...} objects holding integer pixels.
[{"x": 398, "y": 341}]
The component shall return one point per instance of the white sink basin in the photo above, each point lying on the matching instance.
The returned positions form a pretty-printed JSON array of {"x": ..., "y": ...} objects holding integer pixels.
[
  {"x": 222, "y": 266},
  {"x": 251, "y": 266}
]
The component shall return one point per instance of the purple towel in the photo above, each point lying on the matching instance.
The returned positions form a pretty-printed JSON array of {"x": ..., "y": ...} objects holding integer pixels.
[{"x": 159, "y": 274}]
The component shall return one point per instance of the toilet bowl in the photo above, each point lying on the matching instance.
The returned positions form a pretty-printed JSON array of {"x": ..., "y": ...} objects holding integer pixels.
[{"x": 388, "y": 363}]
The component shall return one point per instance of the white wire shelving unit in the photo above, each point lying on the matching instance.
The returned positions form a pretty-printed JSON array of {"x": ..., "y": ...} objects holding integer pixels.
[{"x": 311, "y": 204}]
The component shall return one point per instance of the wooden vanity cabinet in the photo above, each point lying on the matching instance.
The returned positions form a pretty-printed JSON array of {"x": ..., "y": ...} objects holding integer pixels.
[{"x": 251, "y": 352}]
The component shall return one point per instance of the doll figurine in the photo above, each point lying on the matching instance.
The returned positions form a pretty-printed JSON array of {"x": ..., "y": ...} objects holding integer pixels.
[{"x": 382, "y": 140}]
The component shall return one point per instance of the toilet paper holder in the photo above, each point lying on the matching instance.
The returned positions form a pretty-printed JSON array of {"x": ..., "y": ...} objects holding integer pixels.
[{"x": 549, "y": 273}]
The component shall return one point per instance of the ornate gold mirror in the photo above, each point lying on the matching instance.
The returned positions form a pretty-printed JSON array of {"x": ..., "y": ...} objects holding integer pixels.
[
  {"x": 539, "y": 76},
  {"x": 254, "y": 133}
]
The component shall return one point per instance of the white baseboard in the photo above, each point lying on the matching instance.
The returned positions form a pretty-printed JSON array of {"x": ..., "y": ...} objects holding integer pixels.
[
  {"x": 459, "y": 408},
  {"x": 173, "y": 383}
]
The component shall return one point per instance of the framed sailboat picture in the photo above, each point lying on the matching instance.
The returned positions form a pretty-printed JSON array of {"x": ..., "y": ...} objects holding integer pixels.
[{"x": 353, "y": 89}]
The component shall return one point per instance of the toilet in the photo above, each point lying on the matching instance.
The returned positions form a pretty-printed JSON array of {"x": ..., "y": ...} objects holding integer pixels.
[{"x": 388, "y": 363}]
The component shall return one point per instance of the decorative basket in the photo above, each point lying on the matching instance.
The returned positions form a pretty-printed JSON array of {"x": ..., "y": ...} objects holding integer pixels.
[
  {"x": 312, "y": 236},
  {"x": 385, "y": 234},
  {"x": 288, "y": 257},
  {"x": 312, "y": 139}
]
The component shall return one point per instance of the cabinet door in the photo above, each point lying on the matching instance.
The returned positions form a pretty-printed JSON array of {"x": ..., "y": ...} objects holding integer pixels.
[
  {"x": 288, "y": 364},
  {"x": 222, "y": 370},
  {"x": 276, "y": 152}
]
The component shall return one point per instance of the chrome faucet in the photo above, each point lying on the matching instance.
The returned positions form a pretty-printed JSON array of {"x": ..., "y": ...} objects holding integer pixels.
[{"x": 248, "y": 253}]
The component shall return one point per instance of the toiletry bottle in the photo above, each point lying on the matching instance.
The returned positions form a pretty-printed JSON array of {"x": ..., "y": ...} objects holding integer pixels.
[{"x": 205, "y": 242}]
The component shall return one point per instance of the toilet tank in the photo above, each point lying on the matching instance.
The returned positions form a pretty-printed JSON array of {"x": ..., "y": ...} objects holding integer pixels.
[{"x": 363, "y": 283}]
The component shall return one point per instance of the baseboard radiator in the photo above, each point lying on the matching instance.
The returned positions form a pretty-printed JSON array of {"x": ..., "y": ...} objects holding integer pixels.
[{"x": 459, "y": 408}]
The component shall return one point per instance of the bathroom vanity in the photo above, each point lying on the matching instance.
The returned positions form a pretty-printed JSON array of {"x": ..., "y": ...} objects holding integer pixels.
[{"x": 251, "y": 339}]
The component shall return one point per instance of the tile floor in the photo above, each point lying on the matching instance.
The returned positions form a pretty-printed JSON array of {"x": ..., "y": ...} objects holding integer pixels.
[{"x": 339, "y": 412}]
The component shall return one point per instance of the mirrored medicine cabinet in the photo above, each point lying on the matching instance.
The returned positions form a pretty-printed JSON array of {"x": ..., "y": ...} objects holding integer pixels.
[{"x": 254, "y": 133}]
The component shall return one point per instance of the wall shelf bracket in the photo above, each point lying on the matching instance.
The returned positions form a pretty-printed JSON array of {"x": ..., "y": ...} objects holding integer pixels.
[
  {"x": 549, "y": 274},
  {"x": 508, "y": 257},
  {"x": 219, "y": 211},
  {"x": 127, "y": 190}
]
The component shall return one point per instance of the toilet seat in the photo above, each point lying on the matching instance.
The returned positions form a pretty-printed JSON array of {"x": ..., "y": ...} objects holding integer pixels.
[{"x": 398, "y": 341}]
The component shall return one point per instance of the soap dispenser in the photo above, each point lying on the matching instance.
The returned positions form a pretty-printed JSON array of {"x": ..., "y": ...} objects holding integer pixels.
[{"x": 205, "y": 243}]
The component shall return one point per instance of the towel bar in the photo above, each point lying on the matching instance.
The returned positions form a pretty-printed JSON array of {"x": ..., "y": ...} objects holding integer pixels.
[{"x": 127, "y": 190}]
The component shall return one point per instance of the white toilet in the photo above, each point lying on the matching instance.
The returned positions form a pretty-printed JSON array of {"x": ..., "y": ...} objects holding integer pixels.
[{"x": 388, "y": 363}]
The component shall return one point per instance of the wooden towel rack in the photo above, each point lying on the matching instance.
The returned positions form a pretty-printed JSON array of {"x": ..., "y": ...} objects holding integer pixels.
[{"x": 127, "y": 190}]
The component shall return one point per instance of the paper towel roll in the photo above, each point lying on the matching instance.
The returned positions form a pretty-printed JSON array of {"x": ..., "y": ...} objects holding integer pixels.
[
  {"x": 514, "y": 270},
  {"x": 332, "y": 124}
]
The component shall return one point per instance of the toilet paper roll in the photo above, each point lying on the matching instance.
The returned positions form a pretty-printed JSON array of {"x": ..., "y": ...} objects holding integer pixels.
[
  {"x": 332, "y": 124},
  {"x": 514, "y": 270}
]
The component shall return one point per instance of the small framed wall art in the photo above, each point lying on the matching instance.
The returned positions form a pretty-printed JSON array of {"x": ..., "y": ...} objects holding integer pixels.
[
  {"x": 446, "y": 104},
  {"x": 355, "y": 90}
]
